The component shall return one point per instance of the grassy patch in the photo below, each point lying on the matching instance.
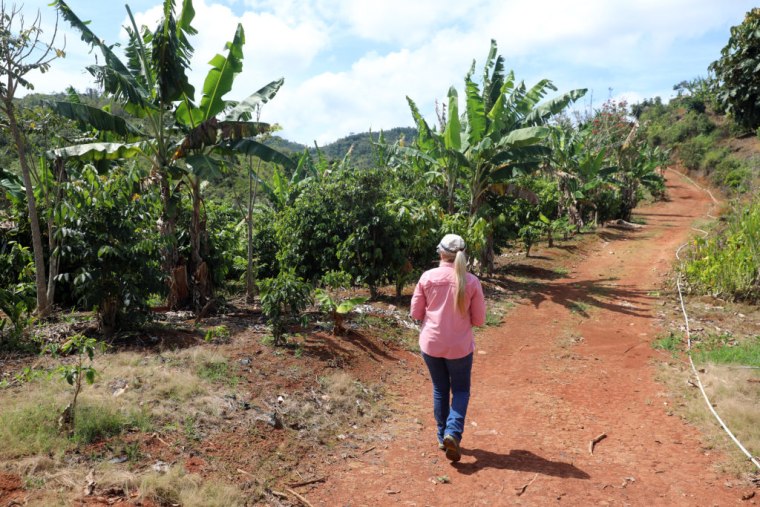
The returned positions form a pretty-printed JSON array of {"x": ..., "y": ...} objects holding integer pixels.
[
  {"x": 218, "y": 371},
  {"x": 177, "y": 487},
  {"x": 341, "y": 401},
  {"x": 735, "y": 395},
  {"x": 724, "y": 349},
  {"x": 95, "y": 423},
  {"x": 30, "y": 425}
]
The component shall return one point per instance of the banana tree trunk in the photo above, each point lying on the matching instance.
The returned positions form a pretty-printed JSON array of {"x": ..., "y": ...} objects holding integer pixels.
[
  {"x": 54, "y": 243},
  {"x": 201, "y": 280},
  {"x": 176, "y": 274}
]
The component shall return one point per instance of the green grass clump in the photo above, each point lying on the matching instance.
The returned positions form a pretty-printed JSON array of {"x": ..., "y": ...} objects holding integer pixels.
[
  {"x": 94, "y": 423},
  {"x": 218, "y": 371},
  {"x": 672, "y": 343},
  {"x": 724, "y": 350}
]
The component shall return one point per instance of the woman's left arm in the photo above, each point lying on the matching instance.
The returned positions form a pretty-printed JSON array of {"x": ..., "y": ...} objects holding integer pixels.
[{"x": 478, "y": 306}]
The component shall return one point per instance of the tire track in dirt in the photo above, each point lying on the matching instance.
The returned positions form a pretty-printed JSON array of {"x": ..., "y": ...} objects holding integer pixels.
[{"x": 572, "y": 361}]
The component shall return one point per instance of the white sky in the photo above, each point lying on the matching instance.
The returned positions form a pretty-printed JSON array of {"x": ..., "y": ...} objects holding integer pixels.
[{"x": 348, "y": 64}]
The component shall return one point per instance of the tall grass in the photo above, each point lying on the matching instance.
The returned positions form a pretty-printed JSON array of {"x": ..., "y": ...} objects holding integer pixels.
[{"x": 728, "y": 265}]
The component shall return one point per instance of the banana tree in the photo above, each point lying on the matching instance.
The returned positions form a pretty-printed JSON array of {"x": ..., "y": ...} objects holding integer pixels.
[
  {"x": 497, "y": 138},
  {"x": 184, "y": 143},
  {"x": 581, "y": 173}
]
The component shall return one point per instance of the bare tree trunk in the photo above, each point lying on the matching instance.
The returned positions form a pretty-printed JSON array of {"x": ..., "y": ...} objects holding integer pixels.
[
  {"x": 43, "y": 304},
  {"x": 250, "y": 279}
]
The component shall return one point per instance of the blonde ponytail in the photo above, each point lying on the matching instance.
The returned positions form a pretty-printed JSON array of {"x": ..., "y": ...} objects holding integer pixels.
[{"x": 460, "y": 270}]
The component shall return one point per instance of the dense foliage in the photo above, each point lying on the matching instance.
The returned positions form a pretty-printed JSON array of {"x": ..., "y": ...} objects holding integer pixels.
[
  {"x": 736, "y": 72},
  {"x": 147, "y": 192},
  {"x": 727, "y": 265}
]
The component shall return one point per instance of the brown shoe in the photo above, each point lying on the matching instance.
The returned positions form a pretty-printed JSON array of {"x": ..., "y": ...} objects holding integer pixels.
[{"x": 453, "y": 452}]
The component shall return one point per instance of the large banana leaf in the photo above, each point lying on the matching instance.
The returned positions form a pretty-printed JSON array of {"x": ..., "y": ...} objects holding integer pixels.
[
  {"x": 237, "y": 130},
  {"x": 186, "y": 18},
  {"x": 536, "y": 93},
  {"x": 266, "y": 153},
  {"x": 204, "y": 167},
  {"x": 246, "y": 109},
  {"x": 425, "y": 139},
  {"x": 476, "y": 114},
  {"x": 93, "y": 152},
  {"x": 523, "y": 137},
  {"x": 541, "y": 113},
  {"x": 452, "y": 136},
  {"x": 12, "y": 185},
  {"x": 123, "y": 86},
  {"x": 94, "y": 117},
  {"x": 90, "y": 38},
  {"x": 222, "y": 74},
  {"x": 171, "y": 59}
]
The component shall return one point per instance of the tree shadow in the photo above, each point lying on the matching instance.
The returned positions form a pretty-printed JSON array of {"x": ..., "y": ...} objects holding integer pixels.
[
  {"x": 528, "y": 271},
  {"x": 579, "y": 296},
  {"x": 519, "y": 461},
  {"x": 343, "y": 348}
]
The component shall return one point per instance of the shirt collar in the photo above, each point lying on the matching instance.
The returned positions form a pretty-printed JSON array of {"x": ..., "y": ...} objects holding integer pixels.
[{"x": 448, "y": 264}]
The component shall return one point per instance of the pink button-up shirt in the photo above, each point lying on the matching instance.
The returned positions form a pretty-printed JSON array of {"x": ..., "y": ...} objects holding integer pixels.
[{"x": 445, "y": 331}]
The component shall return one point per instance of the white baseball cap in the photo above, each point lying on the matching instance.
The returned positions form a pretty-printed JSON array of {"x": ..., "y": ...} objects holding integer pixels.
[{"x": 451, "y": 243}]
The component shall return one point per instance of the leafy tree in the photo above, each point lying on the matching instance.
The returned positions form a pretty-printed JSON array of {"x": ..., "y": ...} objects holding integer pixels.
[
  {"x": 153, "y": 88},
  {"x": 341, "y": 223},
  {"x": 736, "y": 72},
  {"x": 22, "y": 51},
  {"x": 112, "y": 249}
]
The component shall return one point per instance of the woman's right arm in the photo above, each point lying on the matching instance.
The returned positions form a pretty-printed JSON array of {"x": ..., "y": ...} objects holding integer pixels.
[{"x": 419, "y": 303}]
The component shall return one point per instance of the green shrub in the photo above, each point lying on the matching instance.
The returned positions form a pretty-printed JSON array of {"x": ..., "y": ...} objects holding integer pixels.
[
  {"x": 111, "y": 246},
  {"x": 733, "y": 174},
  {"x": 693, "y": 151},
  {"x": 282, "y": 300},
  {"x": 726, "y": 265},
  {"x": 713, "y": 157}
]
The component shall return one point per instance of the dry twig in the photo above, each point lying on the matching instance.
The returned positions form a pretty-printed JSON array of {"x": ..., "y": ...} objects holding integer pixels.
[
  {"x": 596, "y": 441},
  {"x": 306, "y": 483},
  {"x": 299, "y": 497},
  {"x": 522, "y": 489}
]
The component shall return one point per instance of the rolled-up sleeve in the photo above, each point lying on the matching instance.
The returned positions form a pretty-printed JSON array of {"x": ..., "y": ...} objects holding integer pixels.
[
  {"x": 478, "y": 306},
  {"x": 417, "y": 309}
]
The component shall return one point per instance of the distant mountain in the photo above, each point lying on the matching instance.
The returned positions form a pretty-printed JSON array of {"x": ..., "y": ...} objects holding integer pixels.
[{"x": 362, "y": 154}]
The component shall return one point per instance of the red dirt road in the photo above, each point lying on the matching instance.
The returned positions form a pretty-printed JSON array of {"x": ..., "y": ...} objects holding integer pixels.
[{"x": 571, "y": 362}]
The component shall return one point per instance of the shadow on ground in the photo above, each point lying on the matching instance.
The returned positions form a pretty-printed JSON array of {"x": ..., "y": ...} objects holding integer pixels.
[{"x": 520, "y": 461}]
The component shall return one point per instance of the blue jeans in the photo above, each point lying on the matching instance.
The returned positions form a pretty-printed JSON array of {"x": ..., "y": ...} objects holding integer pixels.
[{"x": 451, "y": 393}]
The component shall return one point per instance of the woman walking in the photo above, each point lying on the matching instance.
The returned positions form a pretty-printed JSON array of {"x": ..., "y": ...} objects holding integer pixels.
[{"x": 449, "y": 302}]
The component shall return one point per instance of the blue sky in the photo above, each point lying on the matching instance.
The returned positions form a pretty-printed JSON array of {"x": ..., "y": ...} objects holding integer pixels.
[{"x": 349, "y": 64}]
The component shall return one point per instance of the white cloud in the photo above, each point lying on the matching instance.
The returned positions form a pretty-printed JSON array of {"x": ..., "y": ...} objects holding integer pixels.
[{"x": 348, "y": 64}]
